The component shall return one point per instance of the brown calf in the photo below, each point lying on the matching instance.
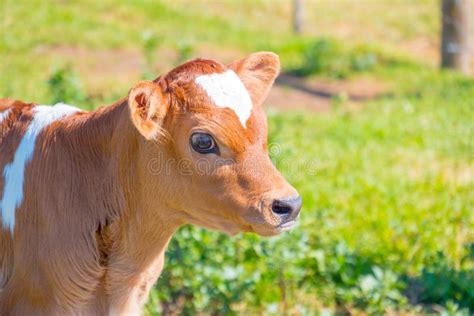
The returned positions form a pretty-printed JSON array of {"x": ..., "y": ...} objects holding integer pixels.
[{"x": 89, "y": 201}]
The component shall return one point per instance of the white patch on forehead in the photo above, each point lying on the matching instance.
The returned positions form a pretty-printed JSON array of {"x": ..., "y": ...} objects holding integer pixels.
[
  {"x": 14, "y": 172},
  {"x": 226, "y": 90},
  {"x": 4, "y": 115}
]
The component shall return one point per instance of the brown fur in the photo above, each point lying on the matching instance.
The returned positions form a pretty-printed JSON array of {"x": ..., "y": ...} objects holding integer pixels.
[{"x": 96, "y": 217}]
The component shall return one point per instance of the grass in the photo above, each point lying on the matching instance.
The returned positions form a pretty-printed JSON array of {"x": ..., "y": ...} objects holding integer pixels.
[
  {"x": 388, "y": 222},
  {"x": 401, "y": 169},
  {"x": 110, "y": 25}
]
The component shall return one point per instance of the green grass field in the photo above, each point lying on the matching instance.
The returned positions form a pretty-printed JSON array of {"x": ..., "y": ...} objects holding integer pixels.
[{"x": 388, "y": 218}]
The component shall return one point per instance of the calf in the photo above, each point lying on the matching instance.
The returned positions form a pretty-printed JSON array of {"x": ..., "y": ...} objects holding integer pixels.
[{"x": 90, "y": 200}]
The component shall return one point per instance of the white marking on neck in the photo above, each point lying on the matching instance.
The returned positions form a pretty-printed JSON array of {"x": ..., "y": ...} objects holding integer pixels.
[
  {"x": 227, "y": 91},
  {"x": 4, "y": 115},
  {"x": 14, "y": 173}
]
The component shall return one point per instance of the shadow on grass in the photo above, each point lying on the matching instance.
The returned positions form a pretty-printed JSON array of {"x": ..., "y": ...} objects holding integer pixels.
[{"x": 440, "y": 284}]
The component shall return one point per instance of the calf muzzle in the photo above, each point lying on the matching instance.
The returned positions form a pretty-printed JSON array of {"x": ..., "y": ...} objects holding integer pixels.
[{"x": 287, "y": 209}]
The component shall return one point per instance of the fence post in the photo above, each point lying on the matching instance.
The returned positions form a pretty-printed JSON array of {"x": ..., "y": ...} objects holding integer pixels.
[{"x": 455, "y": 34}]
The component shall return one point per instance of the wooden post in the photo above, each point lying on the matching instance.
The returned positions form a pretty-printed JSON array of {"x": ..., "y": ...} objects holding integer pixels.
[
  {"x": 297, "y": 16},
  {"x": 456, "y": 34}
]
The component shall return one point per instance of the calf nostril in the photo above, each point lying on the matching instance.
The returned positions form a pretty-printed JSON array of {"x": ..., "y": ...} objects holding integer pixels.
[
  {"x": 286, "y": 207},
  {"x": 281, "y": 207}
]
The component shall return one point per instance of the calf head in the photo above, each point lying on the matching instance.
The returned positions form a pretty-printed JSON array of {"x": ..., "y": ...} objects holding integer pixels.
[{"x": 205, "y": 154}]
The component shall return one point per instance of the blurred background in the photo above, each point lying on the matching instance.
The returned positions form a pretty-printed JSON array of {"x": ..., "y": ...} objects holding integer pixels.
[{"x": 373, "y": 132}]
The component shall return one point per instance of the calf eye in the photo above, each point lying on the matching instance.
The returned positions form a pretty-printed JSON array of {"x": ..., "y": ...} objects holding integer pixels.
[{"x": 203, "y": 143}]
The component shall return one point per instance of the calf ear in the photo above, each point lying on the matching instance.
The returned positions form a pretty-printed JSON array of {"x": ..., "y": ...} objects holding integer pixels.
[
  {"x": 257, "y": 72},
  {"x": 148, "y": 108}
]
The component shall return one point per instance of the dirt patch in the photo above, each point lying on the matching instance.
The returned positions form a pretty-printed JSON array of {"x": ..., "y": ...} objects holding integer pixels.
[
  {"x": 423, "y": 49},
  {"x": 317, "y": 95},
  {"x": 110, "y": 61},
  {"x": 99, "y": 69},
  {"x": 122, "y": 67},
  {"x": 285, "y": 98},
  {"x": 224, "y": 56}
]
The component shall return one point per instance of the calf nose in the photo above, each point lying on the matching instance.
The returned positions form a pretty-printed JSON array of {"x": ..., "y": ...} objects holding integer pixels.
[{"x": 288, "y": 208}]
